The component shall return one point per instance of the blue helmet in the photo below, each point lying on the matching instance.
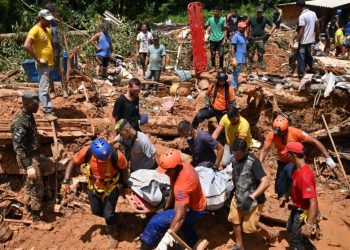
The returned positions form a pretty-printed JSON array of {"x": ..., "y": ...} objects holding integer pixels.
[
  {"x": 339, "y": 11},
  {"x": 101, "y": 149}
]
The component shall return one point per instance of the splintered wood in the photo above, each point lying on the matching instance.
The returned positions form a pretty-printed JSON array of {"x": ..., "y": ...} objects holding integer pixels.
[{"x": 66, "y": 128}]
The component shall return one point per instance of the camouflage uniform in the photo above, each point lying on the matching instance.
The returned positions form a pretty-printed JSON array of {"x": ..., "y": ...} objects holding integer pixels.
[{"x": 26, "y": 146}]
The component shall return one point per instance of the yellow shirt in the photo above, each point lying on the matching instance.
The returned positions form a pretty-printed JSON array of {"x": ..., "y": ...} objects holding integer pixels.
[
  {"x": 338, "y": 37},
  {"x": 241, "y": 129},
  {"x": 42, "y": 43}
]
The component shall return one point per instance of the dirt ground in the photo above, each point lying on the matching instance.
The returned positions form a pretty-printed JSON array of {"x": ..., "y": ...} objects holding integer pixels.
[{"x": 77, "y": 228}]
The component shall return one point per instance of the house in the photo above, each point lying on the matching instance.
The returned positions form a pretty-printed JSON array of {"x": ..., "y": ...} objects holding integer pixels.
[{"x": 324, "y": 9}]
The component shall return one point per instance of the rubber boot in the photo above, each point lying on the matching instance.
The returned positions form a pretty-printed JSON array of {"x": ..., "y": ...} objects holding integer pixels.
[
  {"x": 113, "y": 237},
  {"x": 38, "y": 223}
]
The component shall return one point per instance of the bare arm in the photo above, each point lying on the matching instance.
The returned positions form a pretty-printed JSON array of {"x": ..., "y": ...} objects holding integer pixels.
[
  {"x": 163, "y": 60},
  {"x": 147, "y": 59},
  {"x": 318, "y": 144},
  {"x": 28, "y": 47},
  {"x": 180, "y": 214},
  {"x": 280, "y": 16},
  {"x": 137, "y": 46},
  {"x": 217, "y": 132},
  {"x": 301, "y": 33},
  {"x": 272, "y": 29},
  {"x": 170, "y": 201},
  {"x": 125, "y": 175},
  {"x": 264, "y": 184},
  {"x": 95, "y": 38},
  {"x": 312, "y": 210},
  {"x": 69, "y": 169},
  {"x": 317, "y": 30},
  {"x": 219, "y": 154},
  {"x": 263, "y": 152}
]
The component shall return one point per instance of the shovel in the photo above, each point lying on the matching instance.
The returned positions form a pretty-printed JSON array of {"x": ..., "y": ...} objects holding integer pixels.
[
  {"x": 200, "y": 245},
  {"x": 57, "y": 146}
]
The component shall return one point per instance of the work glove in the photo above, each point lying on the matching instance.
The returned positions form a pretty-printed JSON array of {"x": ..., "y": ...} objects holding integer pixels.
[
  {"x": 247, "y": 204},
  {"x": 330, "y": 163},
  {"x": 65, "y": 189},
  {"x": 143, "y": 119},
  {"x": 233, "y": 62},
  {"x": 306, "y": 230},
  {"x": 31, "y": 173},
  {"x": 42, "y": 61},
  {"x": 166, "y": 241}
]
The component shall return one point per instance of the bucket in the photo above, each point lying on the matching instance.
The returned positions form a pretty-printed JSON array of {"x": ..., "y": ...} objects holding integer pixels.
[
  {"x": 5, "y": 230},
  {"x": 184, "y": 74},
  {"x": 32, "y": 73},
  {"x": 30, "y": 70}
]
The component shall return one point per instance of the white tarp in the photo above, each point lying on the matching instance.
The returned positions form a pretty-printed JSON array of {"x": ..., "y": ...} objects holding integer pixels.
[{"x": 153, "y": 187}]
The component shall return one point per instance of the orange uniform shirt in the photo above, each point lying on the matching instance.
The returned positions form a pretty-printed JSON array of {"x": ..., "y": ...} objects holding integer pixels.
[
  {"x": 188, "y": 190},
  {"x": 220, "y": 102},
  {"x": 294, "y": 134},
  {"x": 97, "y": 167}
]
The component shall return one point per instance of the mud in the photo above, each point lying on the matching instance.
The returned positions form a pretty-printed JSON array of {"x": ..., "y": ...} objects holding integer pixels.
[{"x": 77, "y": 228}]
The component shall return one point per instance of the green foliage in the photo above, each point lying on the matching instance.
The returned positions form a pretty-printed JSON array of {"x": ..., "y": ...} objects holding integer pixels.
[{"x": 11, "y": 54}]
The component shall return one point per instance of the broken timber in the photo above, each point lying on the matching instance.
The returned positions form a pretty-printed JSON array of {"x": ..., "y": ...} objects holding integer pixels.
[{"x": 66, "y": 128}]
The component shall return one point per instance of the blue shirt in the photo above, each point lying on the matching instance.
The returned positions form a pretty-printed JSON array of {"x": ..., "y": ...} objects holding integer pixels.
[
  {"x": 240, "y": 43},
  {"x": 104, "y": 44},
  {"x": 347, "y": 29},
  {"x": 202, "y": 148}
]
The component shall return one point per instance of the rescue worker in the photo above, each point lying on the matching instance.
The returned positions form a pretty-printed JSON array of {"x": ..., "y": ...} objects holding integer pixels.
[
  {"x": 220, "y": 96},
  {"x": 303, "y": 222},
  {"x": 204, "y": 148},
  {"x": 139, "y": 150},
  {"x": 106, "y": 172},
  {"x": 235, "y": 126},
  {"x": 248, "y": 200},
  {"x": 27, "y": 148},
  {"x": 186, "y": 198},
  {"x": 280, "y": 136},
  {"x": 257, "y": 37}
]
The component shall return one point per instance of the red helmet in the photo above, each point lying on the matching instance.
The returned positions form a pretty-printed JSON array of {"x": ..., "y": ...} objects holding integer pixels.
[
  {"x": 280, "y": 124},
  {"x": 169, "y": 159}
]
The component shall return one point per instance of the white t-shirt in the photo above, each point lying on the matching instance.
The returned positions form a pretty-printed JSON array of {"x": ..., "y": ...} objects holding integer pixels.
[
  {"x": 308, "y": 19},
  {"x": 144, "y": 40}
]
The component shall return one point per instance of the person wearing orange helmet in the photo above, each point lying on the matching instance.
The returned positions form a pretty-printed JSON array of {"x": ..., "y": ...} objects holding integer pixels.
[
  {"x": 280, "y": 136},
  {"x": 186, "y": 198}
]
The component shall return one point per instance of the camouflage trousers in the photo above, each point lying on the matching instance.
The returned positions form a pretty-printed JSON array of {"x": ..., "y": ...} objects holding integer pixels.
[
  {"x": 259, "y": 45},
  {"x": 43, "y": 188}
]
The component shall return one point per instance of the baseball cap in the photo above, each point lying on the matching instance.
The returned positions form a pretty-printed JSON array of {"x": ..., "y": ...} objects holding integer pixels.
[
  {"x": 120, "y": 125},
  {"x": 295, "y": 147},
  {"x": 259, "y": 9},
  {"x": 45, "y": 14},
  {"x": 242, "y": 25}
]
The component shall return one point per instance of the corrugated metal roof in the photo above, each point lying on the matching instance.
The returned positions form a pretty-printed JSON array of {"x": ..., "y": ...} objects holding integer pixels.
[
  {"x": 323, "y": 3},
  {"x": 327, "y": 3}
]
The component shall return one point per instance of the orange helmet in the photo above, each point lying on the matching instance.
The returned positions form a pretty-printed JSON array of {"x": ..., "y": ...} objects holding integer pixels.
[
  {"x": 280, "y": 124},
  {"x": 169, "y": 159}
]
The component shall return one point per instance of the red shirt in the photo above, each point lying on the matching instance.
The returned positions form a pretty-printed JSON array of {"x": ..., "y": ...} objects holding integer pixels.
[
  {"x": 304, "y": 187},
  {"x": 188, "y": 190}
]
